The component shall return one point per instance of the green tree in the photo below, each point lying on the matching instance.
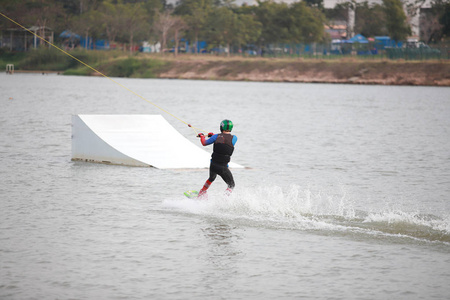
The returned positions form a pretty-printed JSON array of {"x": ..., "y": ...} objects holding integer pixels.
[
  {"x": 88, "y": 24},
  {"x": 223, "y": 27},
  {"x": 163, "y": 24},
  {"x": 430, "y": 28},
  {"x": 195, "y": 14},
  {"x": 305, "y": 23},
  {"x": 272, "y": 16},
  {"x": 179, "y": 26},
  {"x": 445, "y": 19},
  {"x": 78, "y": 7},
  {"x": 249, "y": 29},
  {"x": 396, "y": 20},
  {"x": 440, "y": 9},
  {"x": 111, "y": 20},
  {"x": 44, "y": 13},
  {"x": 339, "y": 12},
  {"x": 153, "y": 6},
  {"x": 134, "y": 20},
  {"x": 370, "y": 20},
  {"x": 14, "y": 9}
]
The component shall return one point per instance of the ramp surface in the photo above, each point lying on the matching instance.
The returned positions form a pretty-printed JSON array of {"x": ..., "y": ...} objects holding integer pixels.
[{"x": 135, "y": 140}]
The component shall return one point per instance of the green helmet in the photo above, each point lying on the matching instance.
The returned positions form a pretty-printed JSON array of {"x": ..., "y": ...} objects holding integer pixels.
[{"x": 226, "y": 125}]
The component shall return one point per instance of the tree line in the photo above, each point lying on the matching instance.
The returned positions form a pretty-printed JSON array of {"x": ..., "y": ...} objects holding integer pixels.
[{"x": 217, "y": 22}]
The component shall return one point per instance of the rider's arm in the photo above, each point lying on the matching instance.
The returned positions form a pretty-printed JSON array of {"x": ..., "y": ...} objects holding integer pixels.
[{"x": 206, "y": 142}]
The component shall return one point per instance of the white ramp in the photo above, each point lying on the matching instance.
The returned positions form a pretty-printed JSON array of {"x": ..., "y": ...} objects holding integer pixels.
[{"x": 135, "y": 140}]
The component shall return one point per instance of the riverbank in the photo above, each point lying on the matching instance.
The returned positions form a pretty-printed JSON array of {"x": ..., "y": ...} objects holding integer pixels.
[{"x": 352, "y": 70}]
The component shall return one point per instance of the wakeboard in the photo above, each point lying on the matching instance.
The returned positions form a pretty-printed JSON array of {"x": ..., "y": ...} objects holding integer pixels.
[{"x": 191, "y": 194}]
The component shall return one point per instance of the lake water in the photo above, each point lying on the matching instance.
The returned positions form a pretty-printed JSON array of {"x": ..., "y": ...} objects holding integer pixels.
[{"x": 346, "y": 194}]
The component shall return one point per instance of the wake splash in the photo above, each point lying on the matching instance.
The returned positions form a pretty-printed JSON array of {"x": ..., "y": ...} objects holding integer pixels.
[{"x": 327, "y": 213}]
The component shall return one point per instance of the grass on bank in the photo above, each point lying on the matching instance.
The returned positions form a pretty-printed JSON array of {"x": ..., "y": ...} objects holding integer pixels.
[
  {"x": 122, "y": 67},
  {"x": 7, "y": 57},
  {"x": 110, "y": 63}
]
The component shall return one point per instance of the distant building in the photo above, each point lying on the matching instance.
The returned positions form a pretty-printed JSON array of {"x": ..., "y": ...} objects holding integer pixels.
[
  {"x": 337, "y": 30},
  {"x": 19, "y": 39}
]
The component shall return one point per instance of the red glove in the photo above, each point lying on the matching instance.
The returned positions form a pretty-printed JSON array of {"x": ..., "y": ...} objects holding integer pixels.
[
  {"x": 202, "y": 138},
  {"x": 210, "y": 134}
]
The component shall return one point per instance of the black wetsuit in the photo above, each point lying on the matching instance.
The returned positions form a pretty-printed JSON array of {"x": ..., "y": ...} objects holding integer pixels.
[{"x": 223, "y": 149}]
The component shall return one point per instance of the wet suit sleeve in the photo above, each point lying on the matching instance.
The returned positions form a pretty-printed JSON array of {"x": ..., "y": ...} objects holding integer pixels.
[
  {"x": 208, "y": 141},
  {"x": 213, "y": 139}
]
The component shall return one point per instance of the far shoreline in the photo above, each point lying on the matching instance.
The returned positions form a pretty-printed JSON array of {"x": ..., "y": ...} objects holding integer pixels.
[
  {"x": 348, "y": 70},
  {"x": 299, "y": 70}
]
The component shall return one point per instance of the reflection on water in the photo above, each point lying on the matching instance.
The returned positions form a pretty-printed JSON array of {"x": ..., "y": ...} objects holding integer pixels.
[{"x": 221, "y": 242}]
